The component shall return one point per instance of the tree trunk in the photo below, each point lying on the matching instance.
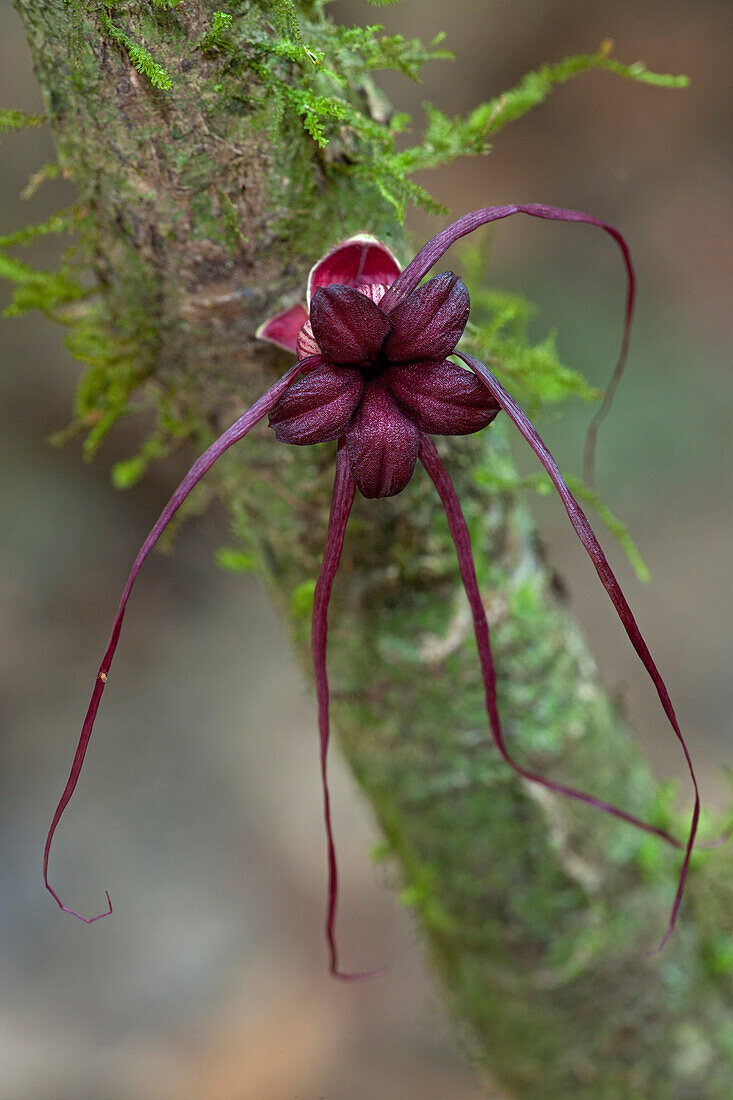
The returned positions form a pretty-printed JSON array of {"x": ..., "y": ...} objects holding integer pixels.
[{"x": 536, "y": 913}]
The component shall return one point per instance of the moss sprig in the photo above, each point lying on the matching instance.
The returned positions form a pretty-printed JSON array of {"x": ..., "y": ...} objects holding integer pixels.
[
  {"x": 216, "y": 36},
  {"x": 140, "y": 58},
  {"x": 330, "y": 101},
  {"x": 18, "y": 120}
]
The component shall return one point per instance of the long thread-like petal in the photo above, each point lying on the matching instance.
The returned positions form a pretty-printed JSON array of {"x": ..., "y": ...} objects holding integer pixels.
[
  {"x": 200, "y": 467},
  {"x": 431, "y": 252},
  {"x": 587, "y": 537},
  {"x": 344, "y": 488},
  {"x": 459, "y": 533}
]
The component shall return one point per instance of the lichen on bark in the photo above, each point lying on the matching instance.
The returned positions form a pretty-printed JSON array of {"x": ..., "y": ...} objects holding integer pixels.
[{"x": 197, "y": 225}]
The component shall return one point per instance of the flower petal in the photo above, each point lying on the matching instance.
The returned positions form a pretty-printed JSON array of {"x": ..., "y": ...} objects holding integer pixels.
[
  {"x": 442, "y": 398},
  {"x": 461, "y": 539},
  {"x": 348, "y": 326},
  {"x": 341, "y": 502},
  {"x": 382, "y": 443},
  {"x": 283, "y": 329},
  {"x": 358, "y": 260},
  {"x": 318, "y": 407},
  {"x": 429, "y": 322}
]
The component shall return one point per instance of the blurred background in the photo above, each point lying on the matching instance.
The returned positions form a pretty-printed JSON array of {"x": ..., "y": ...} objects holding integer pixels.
[{"x": 200, "y": 805}]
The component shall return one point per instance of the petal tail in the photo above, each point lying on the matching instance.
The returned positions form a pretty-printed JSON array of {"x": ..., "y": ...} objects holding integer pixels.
[
  {"x": 343, "y": 497},
  {"x": 437, "y": 246},
  {"x": 201, "y": 466},
  {"x": 459, "y": 533}
]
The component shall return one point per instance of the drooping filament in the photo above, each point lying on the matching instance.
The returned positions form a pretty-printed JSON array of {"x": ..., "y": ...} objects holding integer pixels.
[
  {"x": 343, "y": 497},
  {"x": 201, "y": 466},
  {"x": 459, "y": 533}
]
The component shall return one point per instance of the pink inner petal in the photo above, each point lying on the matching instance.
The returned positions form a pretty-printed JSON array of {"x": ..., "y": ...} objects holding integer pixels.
[
  {"x": 306, "y": 343},
  {"x": 283, "y": 329},
  {"x": 359, "y": 260}
]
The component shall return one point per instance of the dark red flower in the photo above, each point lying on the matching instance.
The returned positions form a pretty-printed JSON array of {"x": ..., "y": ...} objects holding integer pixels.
[
  {"x": 373, "y": 373},
  {"x": 385, "y": 379}
]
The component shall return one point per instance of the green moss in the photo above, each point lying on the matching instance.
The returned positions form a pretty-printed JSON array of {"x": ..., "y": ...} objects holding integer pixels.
[
  {"x": 139, "y": 56},
  {"x": 216, "y": 37},
  {"x": 17, "y": 120}
]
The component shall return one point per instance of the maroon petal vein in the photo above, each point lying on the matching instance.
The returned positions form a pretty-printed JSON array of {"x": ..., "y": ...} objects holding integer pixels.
[
  {"x": 442, "y": 398},
  {"x": 318, "y": 407},
  {"x": 348, "y": 326},
  {"x": 429, "y": 322},
  {"x": 382, "y": 443}
]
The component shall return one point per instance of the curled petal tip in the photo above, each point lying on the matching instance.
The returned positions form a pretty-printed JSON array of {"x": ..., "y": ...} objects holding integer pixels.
[
  {"x": 80, "y": 916},
  {"x": 363, "y": 976},
  {"x": 663, "y": 943},
  {"x": 282, "y": 329}
]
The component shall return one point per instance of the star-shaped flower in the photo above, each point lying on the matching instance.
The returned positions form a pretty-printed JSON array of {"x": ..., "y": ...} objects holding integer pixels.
[
  {"x": 373, "y": 373},
  {"x": 384, "y": 379}
]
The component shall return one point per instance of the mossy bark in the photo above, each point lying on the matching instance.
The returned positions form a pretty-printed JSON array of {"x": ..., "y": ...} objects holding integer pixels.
[{"x": 537, "y": 914}]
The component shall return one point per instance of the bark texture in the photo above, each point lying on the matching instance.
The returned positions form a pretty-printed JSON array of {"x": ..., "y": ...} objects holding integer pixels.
[{"x": 536, "y": 914}]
